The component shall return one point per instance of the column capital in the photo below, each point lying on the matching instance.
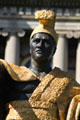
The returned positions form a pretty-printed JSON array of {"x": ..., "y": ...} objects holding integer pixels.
[
  {"x": 21, "y": 33},
  {"x": 5, "y": 34},
  {"x": 13, "y": 30},
  {"x": 60, "y": 34},
  {"x": 69, "y": 34},
  {"x": 76, "y": 34}
]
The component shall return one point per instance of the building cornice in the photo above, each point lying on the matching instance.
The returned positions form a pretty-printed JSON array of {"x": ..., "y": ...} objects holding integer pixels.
[
  {"x": 19, "y": 20},
  {"x": 31, "y": 17},
  {"x": 41, "y": 3}
]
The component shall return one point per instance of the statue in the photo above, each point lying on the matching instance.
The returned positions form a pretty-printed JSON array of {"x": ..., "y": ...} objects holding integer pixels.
[{"x": 39, "y": 92}]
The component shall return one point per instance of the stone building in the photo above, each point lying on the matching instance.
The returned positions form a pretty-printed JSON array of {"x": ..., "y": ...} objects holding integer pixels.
[{"x": 17, "y": 22}]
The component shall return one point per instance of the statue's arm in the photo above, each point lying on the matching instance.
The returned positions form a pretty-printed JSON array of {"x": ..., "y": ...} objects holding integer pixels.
[{"x": 74, "y": 107}]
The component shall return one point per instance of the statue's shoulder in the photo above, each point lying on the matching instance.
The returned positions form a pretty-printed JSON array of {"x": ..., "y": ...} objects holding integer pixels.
[
  {"x": 18, "y": 73},
  {"x": 60, "y": 73},
  {"x": 59, "y": 77}
]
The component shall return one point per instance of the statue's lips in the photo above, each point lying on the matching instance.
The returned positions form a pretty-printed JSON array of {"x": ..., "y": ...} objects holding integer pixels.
[{"x": 39, "y": 51}]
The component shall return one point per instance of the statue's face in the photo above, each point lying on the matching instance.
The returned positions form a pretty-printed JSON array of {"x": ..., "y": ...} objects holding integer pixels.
[{"x": 42, "y": 46}]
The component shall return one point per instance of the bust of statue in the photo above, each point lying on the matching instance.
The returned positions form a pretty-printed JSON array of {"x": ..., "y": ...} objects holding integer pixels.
[
  {"x": 42, "y": 49},
  {"x": 39, "y": 92}
]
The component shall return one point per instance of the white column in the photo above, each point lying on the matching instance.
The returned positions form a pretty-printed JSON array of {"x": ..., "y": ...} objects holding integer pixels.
[
  {"x": 78, "y": 63},
  {"x": 12, "y": 50},
  {"x": 60, "y": 58}
]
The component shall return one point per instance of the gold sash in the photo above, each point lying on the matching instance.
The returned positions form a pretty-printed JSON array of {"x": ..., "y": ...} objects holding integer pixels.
[{"x": 42, "y": 105}]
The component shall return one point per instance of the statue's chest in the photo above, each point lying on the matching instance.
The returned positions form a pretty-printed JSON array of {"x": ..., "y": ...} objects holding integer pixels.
[{"x": 22, "y": 90}]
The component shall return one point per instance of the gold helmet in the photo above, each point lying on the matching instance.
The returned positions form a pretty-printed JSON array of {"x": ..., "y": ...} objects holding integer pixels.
[{"x": 47, "y": 22}]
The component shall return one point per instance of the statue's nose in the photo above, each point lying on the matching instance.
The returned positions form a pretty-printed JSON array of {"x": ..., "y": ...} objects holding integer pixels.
[{"x": 40, "y": 43}]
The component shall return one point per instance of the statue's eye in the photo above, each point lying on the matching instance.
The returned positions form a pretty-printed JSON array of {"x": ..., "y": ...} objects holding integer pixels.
[
  {"x": 36, "y": 40},
  {"x": 47, "y": 41}
]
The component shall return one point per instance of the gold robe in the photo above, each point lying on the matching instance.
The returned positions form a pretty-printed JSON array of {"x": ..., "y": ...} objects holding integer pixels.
[{"x": 55, "y": 97}]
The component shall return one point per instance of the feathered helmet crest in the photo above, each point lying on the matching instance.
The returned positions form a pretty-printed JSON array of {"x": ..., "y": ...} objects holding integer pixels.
[{"x": 47, "y": 20}]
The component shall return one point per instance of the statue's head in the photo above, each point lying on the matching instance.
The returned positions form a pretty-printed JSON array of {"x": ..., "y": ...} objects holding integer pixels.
[
  {"x": 42, "y": 46},
  {"x": 43, "y": 39}
]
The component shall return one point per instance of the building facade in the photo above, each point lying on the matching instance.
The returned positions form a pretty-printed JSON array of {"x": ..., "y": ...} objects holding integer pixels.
[{"x": 17, "y": 22}]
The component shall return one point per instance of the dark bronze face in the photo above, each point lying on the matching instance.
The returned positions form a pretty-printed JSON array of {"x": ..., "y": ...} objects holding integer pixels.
[{"x": 42, "y": 46}]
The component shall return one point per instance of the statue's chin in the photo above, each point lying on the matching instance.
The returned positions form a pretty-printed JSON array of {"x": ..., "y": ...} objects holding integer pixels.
[{"x": 40, "y": 58}]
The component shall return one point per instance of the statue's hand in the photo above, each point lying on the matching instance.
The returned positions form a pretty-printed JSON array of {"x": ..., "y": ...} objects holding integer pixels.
[{"x": 74, "y": 109}]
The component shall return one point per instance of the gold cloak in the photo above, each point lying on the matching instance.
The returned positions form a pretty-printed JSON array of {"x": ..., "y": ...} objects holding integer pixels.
[{"x": 50, "y": 100}]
